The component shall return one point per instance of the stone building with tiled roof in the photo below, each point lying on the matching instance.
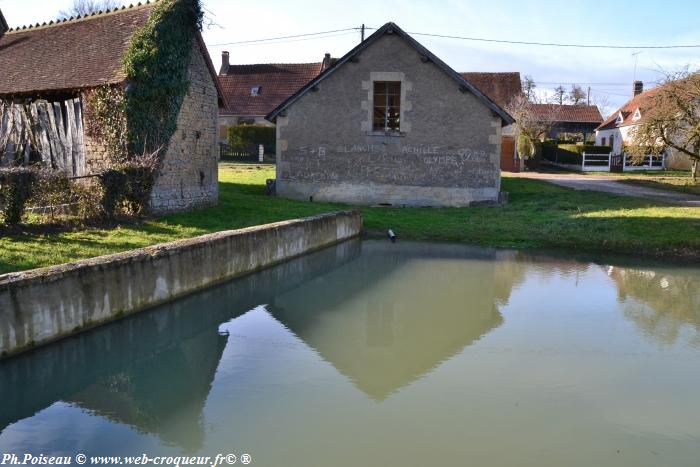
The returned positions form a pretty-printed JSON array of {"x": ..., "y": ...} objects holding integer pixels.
[
  {"x": 390, "y": 123},
  {"x": 58, "y": 63}
]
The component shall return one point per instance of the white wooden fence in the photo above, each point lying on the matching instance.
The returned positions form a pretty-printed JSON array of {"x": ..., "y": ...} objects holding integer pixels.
[
  {"x": 605, "y": 163},
  {"x": 596, "y": 162},
  {"x": 649, "y": 162}
]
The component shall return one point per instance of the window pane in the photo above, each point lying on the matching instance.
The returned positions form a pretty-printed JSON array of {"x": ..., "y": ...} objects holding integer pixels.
[{"x": 387, "y": 105}]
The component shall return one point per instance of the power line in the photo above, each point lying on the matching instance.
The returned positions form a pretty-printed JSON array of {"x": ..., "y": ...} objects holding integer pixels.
[
  {"x": 483, "y": 39},
  {"x": 582, "y": 83},
  {"x": 290, "y": 40},
  {"x": 285, "y": 37},
  {"x": 555, "y": 44}
]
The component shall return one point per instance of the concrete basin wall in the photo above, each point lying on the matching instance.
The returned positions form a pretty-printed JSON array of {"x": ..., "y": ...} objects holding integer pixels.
[{"x": 43, "y": 305}]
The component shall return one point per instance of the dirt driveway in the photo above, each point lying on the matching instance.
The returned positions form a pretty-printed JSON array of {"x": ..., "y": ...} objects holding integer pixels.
[{"x": 610, "y": 184}]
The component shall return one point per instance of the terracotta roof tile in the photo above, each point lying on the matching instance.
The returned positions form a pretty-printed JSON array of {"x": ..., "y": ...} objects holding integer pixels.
[
  {"x": 569, "y": 113},
  {"x": 277, "y": 81},
  {"x": 499, "y": 87},
  {"x": 84, "y": 52},
  {"x": 640, "y": 101}
]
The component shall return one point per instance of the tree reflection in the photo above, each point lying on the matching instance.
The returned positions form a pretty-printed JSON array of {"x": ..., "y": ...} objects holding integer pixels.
[{"x": 661, "y": 302}]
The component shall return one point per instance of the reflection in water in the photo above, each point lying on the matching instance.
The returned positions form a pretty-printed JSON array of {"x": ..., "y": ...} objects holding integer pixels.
[
  {"x": 152, "y": 371},
  {"x": 387, "y": 318},
  {"x": 661, "y": 302},
  {"x": 406, "y": 354}
]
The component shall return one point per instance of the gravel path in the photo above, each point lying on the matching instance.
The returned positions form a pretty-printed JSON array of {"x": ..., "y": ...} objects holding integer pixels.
[{"x": 610, "y": 184}]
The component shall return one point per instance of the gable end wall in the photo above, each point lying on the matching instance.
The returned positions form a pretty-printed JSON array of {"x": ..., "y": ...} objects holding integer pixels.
[{"x": 448, "y": 153}]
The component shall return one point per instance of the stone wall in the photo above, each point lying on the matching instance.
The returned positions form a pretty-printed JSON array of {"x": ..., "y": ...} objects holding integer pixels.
[
  {"x": 189, "y": 175},
  {"x": 447, "y": 154},
  {"x": 41, "y": 306}
]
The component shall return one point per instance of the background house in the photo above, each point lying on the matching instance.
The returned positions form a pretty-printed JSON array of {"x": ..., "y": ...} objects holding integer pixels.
[
  {"x": 617, "y": 130},
  {"x": 569, "y": 122},
  {"x": 253, "y": 91},
  {"x": 502, "y": 88},
  {"x": 53, "y": 67},
  {"x": 390, "y": 123}
]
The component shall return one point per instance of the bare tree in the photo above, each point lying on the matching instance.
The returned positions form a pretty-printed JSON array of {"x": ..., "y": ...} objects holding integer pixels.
[
  {"x": 671, "y": 120},
  {"x": 603, "y": 103},
  {"x": 86, "y": 7},
  {"x": 559, "y": 95},
  {"x": 577, "y": 96},
  {"x": 530, "y": 125},
  {"x": 528, "y": 86}
]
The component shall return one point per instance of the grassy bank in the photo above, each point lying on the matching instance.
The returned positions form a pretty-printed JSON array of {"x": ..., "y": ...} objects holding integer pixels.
[
  {"x": 539, "y": 215},
  {"x": 680, "y": 184}
]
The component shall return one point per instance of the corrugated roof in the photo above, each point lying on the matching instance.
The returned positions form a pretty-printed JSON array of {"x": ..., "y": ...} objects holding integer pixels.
[{"x": 277, "y": 81}]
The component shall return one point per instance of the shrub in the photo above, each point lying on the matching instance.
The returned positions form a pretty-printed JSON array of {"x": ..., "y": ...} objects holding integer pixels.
[
  {"x": 86, "y": 195},
  {"x": 15, "y": 190},
  {"x": 248, "y": 137},
  {"x": 50, "y": 190},
  {"x": 128, "y": 186}
]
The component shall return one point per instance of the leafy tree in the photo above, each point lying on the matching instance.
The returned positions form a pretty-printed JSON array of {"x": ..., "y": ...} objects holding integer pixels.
[
  {"x": 86, "y": 7},
  {"x": 577, "y": 96},
  {"x": 671, "y": 120}
]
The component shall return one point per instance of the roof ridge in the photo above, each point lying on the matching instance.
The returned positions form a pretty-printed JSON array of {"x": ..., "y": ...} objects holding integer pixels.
[
  {"x": 276, "y": 63},
  {"x": 80, "y": 18}
]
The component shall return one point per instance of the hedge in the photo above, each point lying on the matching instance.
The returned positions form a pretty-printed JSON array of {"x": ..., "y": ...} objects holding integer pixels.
[
  {"x": 248, "y": 137},
  {"x": 570, "y": 153}
]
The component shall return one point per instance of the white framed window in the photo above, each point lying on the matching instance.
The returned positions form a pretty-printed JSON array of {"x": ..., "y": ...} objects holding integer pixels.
[
  {"x": 637, "y": 115},
  {"x": 387, "y": 106},
  {"x": 256, "y": 90}
]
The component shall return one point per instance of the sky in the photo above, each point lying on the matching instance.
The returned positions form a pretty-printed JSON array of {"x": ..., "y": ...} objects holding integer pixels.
[{"x": 609, "y": 73}]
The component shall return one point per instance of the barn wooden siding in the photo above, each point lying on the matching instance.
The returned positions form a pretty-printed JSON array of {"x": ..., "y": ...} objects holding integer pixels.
[{"x": 54, "y": 130}]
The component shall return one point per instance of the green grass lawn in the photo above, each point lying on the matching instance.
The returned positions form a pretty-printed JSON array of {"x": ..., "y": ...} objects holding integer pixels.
[
  {"x": 680, "y": 184},
  {"x": 539, "y": 215}
]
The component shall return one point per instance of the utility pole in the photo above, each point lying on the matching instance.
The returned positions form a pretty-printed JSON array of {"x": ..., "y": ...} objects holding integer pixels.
[
  {"x": 636, "y": 58},
  {"x": 589, "y": 95},
  {"x": 362, "y": 29}
]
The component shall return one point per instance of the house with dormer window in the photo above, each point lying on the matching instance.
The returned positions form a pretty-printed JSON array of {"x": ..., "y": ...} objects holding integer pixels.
[{"x": 617, "y": 130}]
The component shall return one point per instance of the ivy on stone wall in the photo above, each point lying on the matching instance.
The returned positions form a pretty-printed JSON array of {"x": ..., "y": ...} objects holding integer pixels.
[
  {"x": 105, "y": 121},
  {"x": 156, "y": 67}
]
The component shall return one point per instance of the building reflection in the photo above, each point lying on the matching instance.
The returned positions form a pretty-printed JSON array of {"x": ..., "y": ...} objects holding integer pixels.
[
  {"x": 383, "y": 315},
  {"x": 387, "y": 319},
  {"x": 152, "y": 371},
  {"x": 660, "y": 302}
]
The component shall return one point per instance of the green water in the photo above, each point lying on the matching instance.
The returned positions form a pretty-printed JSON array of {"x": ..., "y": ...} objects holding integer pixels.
[{"x": 373, "y": 354}]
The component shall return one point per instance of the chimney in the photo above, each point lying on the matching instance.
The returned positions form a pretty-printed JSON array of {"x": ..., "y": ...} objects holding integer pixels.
[
  {"x": 3, "y": 24},
  {"x": 637, "y": 88},
  {"x": 326, "y": 62},
  {"x": 225, "y": 63}
]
